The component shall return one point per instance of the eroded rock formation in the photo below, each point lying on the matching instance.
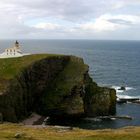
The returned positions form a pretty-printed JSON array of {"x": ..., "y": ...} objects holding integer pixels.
[{"x": 55, "y": 86}]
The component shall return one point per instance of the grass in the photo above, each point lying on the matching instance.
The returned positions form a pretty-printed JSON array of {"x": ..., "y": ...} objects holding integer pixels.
[
  {"x": 72, "y": 75},
  {"x": 8, "y": 131},
  {"x": 12, "y": 66}
]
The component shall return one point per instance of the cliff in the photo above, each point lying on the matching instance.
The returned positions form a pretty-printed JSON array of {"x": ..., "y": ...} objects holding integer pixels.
[{"x": 51, "y": 85}]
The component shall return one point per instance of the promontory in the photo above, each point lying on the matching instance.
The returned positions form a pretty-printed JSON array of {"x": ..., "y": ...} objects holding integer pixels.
[{"x": 51, "y": 85}]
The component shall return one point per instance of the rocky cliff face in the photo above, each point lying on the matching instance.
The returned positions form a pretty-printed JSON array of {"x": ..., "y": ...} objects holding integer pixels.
[
  {"x": 55, "y": 86},
  {"x": 98, "y": 101}
]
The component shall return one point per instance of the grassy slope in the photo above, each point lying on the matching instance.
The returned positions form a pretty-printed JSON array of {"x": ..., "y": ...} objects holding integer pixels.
[
  {"x": 8, "y": 131},
  {"x": 9, "y": 67}
]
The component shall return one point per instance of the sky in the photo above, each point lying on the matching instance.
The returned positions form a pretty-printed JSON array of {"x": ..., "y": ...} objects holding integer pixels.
[{"x": 70, "y": 19}]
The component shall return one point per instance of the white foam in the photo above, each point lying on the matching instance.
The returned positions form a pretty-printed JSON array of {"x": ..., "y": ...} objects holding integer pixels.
[
  {"x": 117, "y": 88},
  {"x": 125, "y": 97},
  {"x": 129, "y": 88}
]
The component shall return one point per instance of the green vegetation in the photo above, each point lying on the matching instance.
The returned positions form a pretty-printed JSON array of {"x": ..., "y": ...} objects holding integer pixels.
[
  {"x": 42, "y": 83},
  {"x": 9, "y": 132},
  {"x": 10, "y": 67},
  {"x": 99, "y": 101},
  {"x": 51, "y": 85},
  {"x": 69, "y": 80}
]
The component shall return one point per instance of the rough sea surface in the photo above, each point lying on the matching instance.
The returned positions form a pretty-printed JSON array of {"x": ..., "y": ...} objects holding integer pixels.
[{"x": 112, "y": 63}]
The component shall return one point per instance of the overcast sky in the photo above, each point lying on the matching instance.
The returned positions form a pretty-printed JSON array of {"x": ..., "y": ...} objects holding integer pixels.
[{"x": 70, "y": 19}]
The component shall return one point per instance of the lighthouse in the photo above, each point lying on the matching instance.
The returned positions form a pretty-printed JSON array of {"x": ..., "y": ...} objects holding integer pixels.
[
  {"x": 14, "y": 51},
  {"x": 17, "y": 45}
]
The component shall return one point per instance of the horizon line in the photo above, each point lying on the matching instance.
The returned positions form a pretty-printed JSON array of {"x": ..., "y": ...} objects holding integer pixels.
[{"x": 70, "y": 39}]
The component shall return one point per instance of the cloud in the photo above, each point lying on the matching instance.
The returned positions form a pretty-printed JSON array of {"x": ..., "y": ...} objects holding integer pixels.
[
  {"x": 67, "y": 18},
  {"x": 99, "y": 25},
  {"x": 72, "y": 10},
  {"x": 120, "y": 21},
  {"x": 110, "y": 22},
  {"x": 118, "y": 4},
  {"x": 47, "y": 26}
]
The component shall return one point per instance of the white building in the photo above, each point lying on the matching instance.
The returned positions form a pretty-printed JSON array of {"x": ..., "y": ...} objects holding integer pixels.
[{"x": 14, "y": 51}]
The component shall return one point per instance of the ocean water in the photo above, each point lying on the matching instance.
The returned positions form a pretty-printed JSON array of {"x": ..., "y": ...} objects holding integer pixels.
[{"x": 112, "y": 64}]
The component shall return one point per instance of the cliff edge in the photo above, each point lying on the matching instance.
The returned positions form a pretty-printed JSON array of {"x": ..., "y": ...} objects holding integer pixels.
[{"x": 51, "y": 85}]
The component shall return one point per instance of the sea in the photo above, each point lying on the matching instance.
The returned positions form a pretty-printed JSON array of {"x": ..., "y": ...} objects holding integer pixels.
[{"x": 111, "y": 63}]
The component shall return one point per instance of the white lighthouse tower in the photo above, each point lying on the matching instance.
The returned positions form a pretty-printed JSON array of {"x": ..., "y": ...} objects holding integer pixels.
[{"x": 14, "y": 51}]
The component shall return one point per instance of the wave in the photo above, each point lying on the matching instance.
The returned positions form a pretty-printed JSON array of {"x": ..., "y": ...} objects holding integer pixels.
[
  {"x": 126, "y": 97},
  {"x": 119, "y": 90}
]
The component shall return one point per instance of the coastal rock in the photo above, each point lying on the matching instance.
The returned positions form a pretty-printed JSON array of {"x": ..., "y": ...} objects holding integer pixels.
[
  {"x": 122, "y": 88},
  {"x": 54, "y": 86},
  {"x": 99, "y": 101}
]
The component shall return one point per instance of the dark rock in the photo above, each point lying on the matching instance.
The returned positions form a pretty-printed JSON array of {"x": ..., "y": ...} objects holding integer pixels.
[
  {"x": 99, "y": 101},
  {"x": 56, "y": 86},
  {"x": 122, "y": 88},
  {"x": 137, "y": 101},
  {"x": 1, "y": 118},
  {"x": 121, "y": 101},
  {"x": 125, "y": 100}
]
